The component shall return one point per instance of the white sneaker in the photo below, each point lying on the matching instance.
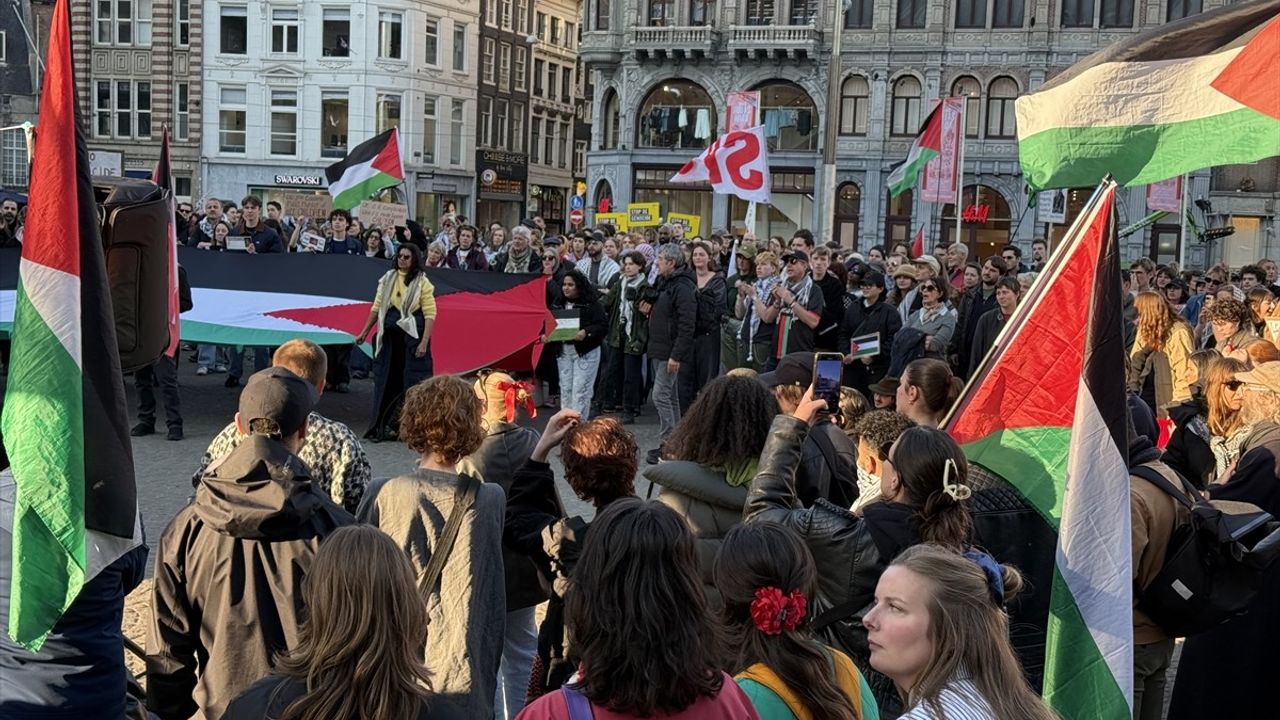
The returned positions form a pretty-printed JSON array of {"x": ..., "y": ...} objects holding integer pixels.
[{"x": 202, "y": 370}]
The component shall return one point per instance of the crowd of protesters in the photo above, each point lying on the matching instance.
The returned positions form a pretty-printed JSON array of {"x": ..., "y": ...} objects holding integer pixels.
[{"x": 795, "y": 560}]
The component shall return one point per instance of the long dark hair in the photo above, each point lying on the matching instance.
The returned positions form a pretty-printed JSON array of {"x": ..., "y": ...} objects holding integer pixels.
[
  {"x": 769, "y": 555},
  {"x": 728, "y": 423},
  {"x": 920, "y": 457},
  {"x": 416, "y": 266},
  {"x": 587, "y": 292},
  {"x": 638, "y": 614}
]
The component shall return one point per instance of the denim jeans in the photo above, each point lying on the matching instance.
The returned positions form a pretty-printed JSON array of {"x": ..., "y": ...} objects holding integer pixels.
[
  {"x": 210, "y": 356},
  {"x": 665, "y": 398},
  {"x": 519, "y": 646},
  {"x": 577, "y": 378},
  {"x": 261, "y": 359}
]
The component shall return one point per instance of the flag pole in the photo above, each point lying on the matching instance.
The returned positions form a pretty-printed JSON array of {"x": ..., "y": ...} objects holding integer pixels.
[
  {"x": 964, "y": 130},
  {"x": 1182, "y": 220}
]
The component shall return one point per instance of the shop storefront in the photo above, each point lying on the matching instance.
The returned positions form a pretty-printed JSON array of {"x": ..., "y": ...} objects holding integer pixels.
[
  {"x": 551, "y": 204},
  {"x": 501, "y": 179},
  {"x": 439, "y": 195},
  {"x": 652, "y": 186},
  {"x": 790, "y": 205},
  {"x": 985, "y": 221}
]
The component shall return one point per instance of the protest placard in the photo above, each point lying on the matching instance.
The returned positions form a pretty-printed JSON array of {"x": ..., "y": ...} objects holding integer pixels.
[
  {"x": 382, "y": 215},
  {"x": 306, "y": 205}
]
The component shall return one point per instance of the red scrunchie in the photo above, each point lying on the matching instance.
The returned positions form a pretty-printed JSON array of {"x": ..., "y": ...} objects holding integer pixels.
[
  {"x": 772, "y": 611},
  {"x": 514, "y": 393}
]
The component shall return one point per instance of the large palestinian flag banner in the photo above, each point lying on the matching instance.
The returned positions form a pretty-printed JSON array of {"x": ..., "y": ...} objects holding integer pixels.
[
  {"x": 64, "y": 422},
  {"x": 1195, "y": 93},
  {"x": 1046, "y": 411}
]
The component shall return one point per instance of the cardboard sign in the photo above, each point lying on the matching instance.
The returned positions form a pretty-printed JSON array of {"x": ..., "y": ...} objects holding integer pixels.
[
  {"x": 618, "y": 220},
  {"x": 1051, "y": 207},
  {"x": 644, "y": 215},
  {"x": 306, "y": 205},
  {"x": 238, "y": 243},
  {"x": 382, "y": 215},
  {"x": 310, "y": 242},
  {"x": 692, "y": 224}
]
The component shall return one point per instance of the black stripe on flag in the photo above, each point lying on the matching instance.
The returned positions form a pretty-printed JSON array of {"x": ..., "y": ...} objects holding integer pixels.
[
  {"x": 362, "y": 153},
  {"x": 1104, "y": 351}
]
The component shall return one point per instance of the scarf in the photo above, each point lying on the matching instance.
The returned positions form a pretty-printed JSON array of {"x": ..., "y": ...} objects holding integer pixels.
[
  {"x": 406, "y": 322},
  {"x": 628, "y": 306},
  {"x": 763, "y": 289},
  {"x": 740, "y": 472},
  {"x": 1227, "y": 449},
  {"x": 518, "y": 262},
  {"x": 206, "y": 227},
  {"x": 929, "y": 315}
]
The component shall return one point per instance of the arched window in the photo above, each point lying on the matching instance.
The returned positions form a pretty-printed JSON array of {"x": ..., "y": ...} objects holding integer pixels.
[
  {"x": 905, "y": 114},
  {"x": 612, "y": 121},
  {"x": 855, "y": 101},
  {"x": 985, "y": 221},
  {"x": 790, "y": 117},
  {"x": 847, "y": 214},
  {"x": 602, "y": 201},
  {"x": 897, "y": 218},
  {"x": 1000, "y": 97},
  {"x": 967, "y": 87},
  {"x": 676, "y": 114}
]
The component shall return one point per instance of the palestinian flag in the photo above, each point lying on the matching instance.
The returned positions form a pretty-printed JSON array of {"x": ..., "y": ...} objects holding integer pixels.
[
  {"x": 1047, "y": 412},
  {"x": 927, "y": 146},
  {"x": 371, "y": 166},
  {"x": 64, "y": 422},
  {"x": 1196, "y": 93}
]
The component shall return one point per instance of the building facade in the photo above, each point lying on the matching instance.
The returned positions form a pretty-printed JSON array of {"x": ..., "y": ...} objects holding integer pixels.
[
  {"x": 662, "y": 70},
  {"x": 554, "y": 102},
  {"x": 502, "y": 117},
  {"x": 20, "y": 78},
  {"x": 138, "y": 66},
  {"x": 295, "y": 89}
]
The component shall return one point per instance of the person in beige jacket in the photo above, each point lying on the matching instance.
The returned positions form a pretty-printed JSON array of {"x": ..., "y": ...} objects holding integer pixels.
[{"x": 1161, "y": 350}]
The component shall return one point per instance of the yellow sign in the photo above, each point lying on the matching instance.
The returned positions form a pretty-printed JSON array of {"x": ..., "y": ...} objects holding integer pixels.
[
  {"x": 618, "y": 220},
  {"x": 692, "y": 224},
  {"x": 644, "y": 215}
]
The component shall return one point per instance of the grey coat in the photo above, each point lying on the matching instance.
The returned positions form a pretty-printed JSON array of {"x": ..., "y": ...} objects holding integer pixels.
[
  {"x": 468, "y": 614},
  {"x": 939, "y": 329}
]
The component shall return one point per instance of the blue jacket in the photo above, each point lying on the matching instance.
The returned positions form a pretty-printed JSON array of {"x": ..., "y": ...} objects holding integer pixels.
[{"x": 348, "y": 245}]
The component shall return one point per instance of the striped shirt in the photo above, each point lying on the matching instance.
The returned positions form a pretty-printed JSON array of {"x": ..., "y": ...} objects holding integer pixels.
[{"x": 959, "y": 700}]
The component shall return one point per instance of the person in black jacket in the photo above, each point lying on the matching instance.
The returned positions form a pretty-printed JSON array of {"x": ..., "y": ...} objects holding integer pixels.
[
  {"x": 869, "y": 315},
  {"x": 673, "y": 314},
  {"x": 229, "y": 565},
  {"x": 710, "y": 293},
  {"x": 973, "y": 304},
  {"x": 579, "y": 359},
  {"x": 827, "y": 335},
  {"x": 989, "y": 325},
  {"x": 924, "y": 488}
]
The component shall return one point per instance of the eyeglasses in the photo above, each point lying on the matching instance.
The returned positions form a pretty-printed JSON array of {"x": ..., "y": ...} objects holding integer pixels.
[
  {"x": 930, "y": 287},
  {"x": 549, "y": 258},
  {"x": 1233, "y": 385},
  {"x": 405, "y": 256}
]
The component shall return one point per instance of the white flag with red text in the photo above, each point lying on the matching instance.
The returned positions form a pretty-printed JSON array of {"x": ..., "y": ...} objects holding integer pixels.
[{"x": 735, "y": 164}]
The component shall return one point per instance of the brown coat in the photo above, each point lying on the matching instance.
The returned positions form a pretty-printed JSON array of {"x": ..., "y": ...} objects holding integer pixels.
[{"x": 1153, "y": 515}]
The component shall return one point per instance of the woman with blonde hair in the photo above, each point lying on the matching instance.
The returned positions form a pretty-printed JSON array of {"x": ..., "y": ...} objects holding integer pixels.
[
  {"x": 1161, "y": 350},
  {"x": 939, "y": 629},
  {"x": 1188, "y": 450},
  {"x": 359, "y": 653}
]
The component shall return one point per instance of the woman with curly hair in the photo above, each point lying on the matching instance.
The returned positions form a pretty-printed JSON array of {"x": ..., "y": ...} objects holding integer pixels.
[
  {"x": 647, "y": 642},
  {"x": 713, "y": 455},
  {"x": 766, "y": 577},
  {"x": 1161, "y": 349},
  {"x": 359, "y": 652},
  {"x": 441, "y": 421},
  {"x": 1231, "y": 323}
]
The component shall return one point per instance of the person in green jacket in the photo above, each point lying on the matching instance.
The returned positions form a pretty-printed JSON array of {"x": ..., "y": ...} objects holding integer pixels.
[{"x": 766, "y": 576}]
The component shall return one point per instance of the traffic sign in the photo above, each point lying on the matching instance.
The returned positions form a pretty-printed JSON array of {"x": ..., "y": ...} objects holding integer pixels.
[
  {"x": 576, "y": 217},
  {"x": 575, "y": 202}
]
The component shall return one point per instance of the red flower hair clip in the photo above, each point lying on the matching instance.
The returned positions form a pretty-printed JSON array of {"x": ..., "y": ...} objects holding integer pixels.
[
  {"x": 772, "y": 611},
  {"x": 517, "y": 393}
]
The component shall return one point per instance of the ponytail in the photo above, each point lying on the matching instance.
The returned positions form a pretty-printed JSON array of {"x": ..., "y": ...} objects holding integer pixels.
[{"x": 939, "y": 388}]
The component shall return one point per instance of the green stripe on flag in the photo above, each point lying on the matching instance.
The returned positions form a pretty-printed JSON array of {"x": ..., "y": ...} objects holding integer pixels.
[
  {"x": 1031, "y": 459},
  {"x": 1078, "y": 683},
  {"x": 43, "y": 421},
  {"x": 352, "y": 196},
  {"x": 216, "y": 334}
]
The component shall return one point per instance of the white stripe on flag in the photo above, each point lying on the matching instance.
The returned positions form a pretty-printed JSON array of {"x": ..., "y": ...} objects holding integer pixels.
[
  {"x": 352, "y": 177},
  {"x": 55, "y": 295}
]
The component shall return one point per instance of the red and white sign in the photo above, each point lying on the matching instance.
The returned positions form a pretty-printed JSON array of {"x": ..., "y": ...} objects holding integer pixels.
[
  {"x": 736, "y": 164},
  {"x": 744, "y": 108},
  {"x": 976, "y": 213},
  {"x": 1165, "y": 195},
  {"x": 576, "y": 217},
  {"x": 941, "y": 174}
]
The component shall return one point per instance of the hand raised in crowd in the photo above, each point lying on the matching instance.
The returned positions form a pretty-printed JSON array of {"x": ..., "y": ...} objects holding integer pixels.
[
  {"x": 784, "y": 295},
  {"x": 557, "y": 426},
  {"x": 808, "y": 408}
]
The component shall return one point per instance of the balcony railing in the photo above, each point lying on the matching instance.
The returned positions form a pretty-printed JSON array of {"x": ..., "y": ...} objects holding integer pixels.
[
  {"x": 779, "y": 41},
  {"x": 672, "y": 42}
]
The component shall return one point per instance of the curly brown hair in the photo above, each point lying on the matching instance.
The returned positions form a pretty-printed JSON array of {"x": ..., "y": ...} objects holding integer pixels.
[
  {"x": 599, "y": 459},
  {"x": 441, "y": 415},
  {"x": 1230, "y": 309}
]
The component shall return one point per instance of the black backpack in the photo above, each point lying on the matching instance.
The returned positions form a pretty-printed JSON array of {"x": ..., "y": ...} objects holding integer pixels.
[{"x": 1215, "y": 561}]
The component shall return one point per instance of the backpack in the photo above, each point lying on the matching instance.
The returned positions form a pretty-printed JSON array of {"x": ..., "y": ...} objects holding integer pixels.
[{"x": 1215, "y": 561}]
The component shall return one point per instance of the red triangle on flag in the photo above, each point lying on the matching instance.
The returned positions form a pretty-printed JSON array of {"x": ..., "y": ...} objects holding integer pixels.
[{"x": 1250, "y": 79}]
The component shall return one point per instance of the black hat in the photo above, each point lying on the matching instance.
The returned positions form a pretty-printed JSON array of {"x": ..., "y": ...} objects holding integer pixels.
[
  {"x": 790, "y": 255},
  {"x": 887, "y": 387},
  {"x": 280, "y": 396},
  {"x": 873, "y": 277},
  {"x": 793, "y": 369}
]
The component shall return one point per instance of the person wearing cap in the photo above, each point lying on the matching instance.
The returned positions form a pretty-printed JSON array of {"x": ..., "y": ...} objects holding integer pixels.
[
  {"x": 868, "y": 315},
  {"x": 926, "y": 267},
  {"x": 828, "y": 458},
  {"x": 904, "y": 281},
  {"x": 796, "y": 305},
  {"x": 448, "y": 226},
  {"x": 228, "y": 566}
]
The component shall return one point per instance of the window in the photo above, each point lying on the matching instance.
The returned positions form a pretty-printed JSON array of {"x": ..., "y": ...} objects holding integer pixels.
[
  {"x": 3, "y": 47},
  {"x": 122, "y": 109},
  {"x": 142, "y": 108},
  {"x": 549, "y": 141},
  {"x": 182, "y": 16},
  {"x": 971, "y": 13},
  {"x": 859, "y": 14},
  {"x": 431, "y": 53},
  {"x": 504, "y": 67},
  {"x": 486, "y": 61},
  {"x": 555, "y": 31},
  {"x": 459, "y": 48},
  {"x": 661, "y": 13},
  {"x": 1007, "y": 13},
  {"x": 429, "y": 129},
  {"x": 102, "y": 109},
  {"x": 658, "y": 124},
  {"x": 969, "y": 89},
  {"x": 803, "y": 12},
  {"x": 847, "y": 211},
  {"x": 123, "y": 22},
  {"x": 231, "y": 120},
  {"x": 284, "y": 122},
  {"x": 542, "y": 26},
  {"x": 760, "y": 12},
  {"x": 333, "y": 123},
  {"x": 506, "y": 14},
  {"x": 579, "y": 157},
  {"x": 612, "y": 122},
  {"x": 337, "y": 32},
  {"x": 905, "y": 118},
  {"x": 1179, "y": 9},
  {"x": 566, "y": 85},
  {"x": 552, "y": 78},
  {"x": 485, "y": 138},
  {"x": 455, "y": 132},
  {"x": 535, "y": 141},
  {"x": 911, "y": 13},
  {"x": 491, "y": 13},
  {"x": 517, "y": 128},
  {"x": 390, "y": 35},
  {"x": 602, "y": 15},
  {"x": 1116, "y": 14},
  {"x": 790, "y": 117},
  {"x": 284, "y": 31},
  {"x": 566, "y": 142},
  {"x": 1000, "y": 97},
  {"x": 569, "y": 37},
  {"x": 1077, "y": 13},
  {"x": 538, "y": 66},
  {"x": 522, "y": 17},
  {"x": 182, "y": 111},
  {"x": 388, "y": 109},
  {"x": 14, "y": 172},
  {"x": 503, "y": 127},
  {"x": 855, "y": 101},
  {"x": 233, "y": 30},
  {"x": 522, "y": 60}
]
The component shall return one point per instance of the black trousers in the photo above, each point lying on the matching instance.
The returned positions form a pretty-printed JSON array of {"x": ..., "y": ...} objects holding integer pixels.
[
  {"x": 706, "y": 359},
  {"x": 162, "y": 372},
  {"x": 339, "y": 361},
  {"x": 626, "y": 381}
]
